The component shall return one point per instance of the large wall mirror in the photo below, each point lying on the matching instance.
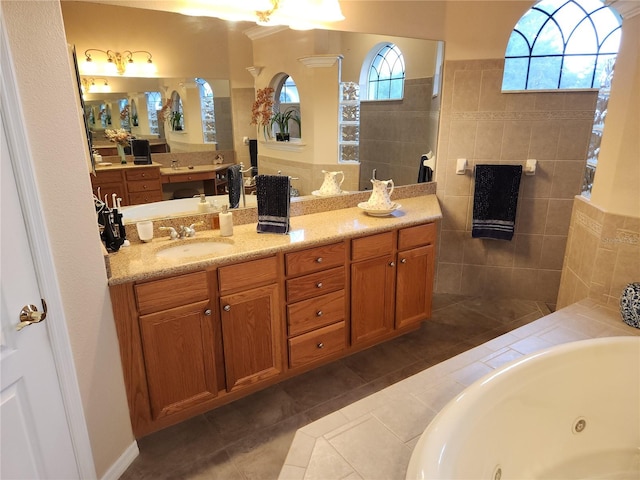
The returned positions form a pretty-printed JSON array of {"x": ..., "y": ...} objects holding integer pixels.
[{"x": 393, "y": 135}]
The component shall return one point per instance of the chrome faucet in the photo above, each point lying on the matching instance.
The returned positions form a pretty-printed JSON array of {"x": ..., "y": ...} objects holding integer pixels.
[{"x": 182, "y": 231}]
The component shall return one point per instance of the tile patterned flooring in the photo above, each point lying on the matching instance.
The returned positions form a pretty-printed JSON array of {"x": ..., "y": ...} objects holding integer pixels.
[{"x": 316, "y": 424}]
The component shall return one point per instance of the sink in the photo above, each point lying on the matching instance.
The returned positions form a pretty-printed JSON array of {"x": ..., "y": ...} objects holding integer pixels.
[{"x": 197, "y": 248}]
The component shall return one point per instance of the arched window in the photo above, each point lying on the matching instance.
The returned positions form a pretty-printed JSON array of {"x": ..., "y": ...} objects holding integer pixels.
[
  {"x": 207, "y": 110},
  {"x": 287, "y": 91},
  {"x": 385, "y": 73},
  {"x": 287, "y": 98},
  {"x": 177, "y": 113},
  {"x": 561, "y": 44},
  {"x": 154, "y": 104}
]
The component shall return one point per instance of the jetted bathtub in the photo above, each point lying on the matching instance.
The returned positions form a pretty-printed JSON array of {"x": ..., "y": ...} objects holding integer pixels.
[{"x": 567, "y": 412}]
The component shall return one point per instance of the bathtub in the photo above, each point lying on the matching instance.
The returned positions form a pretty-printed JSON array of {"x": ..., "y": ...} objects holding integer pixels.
[
  {"x": 171, "y": 208},
  {"x": 567, "y": 412}
]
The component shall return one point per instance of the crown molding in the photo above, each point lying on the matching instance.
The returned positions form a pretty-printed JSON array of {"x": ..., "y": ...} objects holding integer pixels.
[
  {"x": 257, "y": 32},
  {"x": 314, "y": 61}
]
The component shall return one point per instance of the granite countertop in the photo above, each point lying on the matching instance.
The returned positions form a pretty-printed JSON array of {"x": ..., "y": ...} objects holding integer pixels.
[
  {"x": 102, "y": 167},
  {"x": 139, "y": 261}
]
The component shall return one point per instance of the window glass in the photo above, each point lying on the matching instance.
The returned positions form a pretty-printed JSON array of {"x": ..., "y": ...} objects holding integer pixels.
[
  {"x": 207, "y": 111},
  {"x": 386, "y": 74},
  {"x": 154, "y": 104}
]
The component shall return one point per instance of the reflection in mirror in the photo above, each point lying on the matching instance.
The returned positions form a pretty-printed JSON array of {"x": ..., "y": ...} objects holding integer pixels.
[
  {"x": 286, "y": 123},
  {"x": 182, "y": 65}
]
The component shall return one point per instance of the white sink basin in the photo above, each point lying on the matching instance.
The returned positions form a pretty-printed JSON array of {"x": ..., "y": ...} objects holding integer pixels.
[{"x": 196, "y": 248}]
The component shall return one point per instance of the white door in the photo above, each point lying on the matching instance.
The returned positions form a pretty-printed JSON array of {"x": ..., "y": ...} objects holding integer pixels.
[{"x": 35, "y": 439}]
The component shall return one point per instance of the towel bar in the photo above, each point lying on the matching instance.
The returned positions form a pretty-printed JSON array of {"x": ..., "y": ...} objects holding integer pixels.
[{"x": 528, "y": 169}]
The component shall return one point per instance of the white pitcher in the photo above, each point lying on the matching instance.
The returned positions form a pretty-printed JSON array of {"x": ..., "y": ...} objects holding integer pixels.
[
  {"x": 381, "y": 195},
  {"x": 331, "y": 185}
]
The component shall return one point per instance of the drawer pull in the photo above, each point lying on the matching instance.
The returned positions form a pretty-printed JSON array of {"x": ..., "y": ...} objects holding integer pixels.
[
  {"x": 319, "y": 285},
  {"x": 227, "y": 308},
  {"x": 404, "y": 260},
  {"x": 145, "y": 187},
  {"x": 144, "y": 175},
  {"x": 392, "y": 264},
  {"x": 320, "y": 345},
  {"x": 207, "y": 312},
  {"x": 319, "y": 260},
  {"x": 319, "y": 313}
]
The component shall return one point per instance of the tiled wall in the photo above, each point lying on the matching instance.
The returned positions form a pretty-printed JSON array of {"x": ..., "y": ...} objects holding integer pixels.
[
  {"x": 395, "y": 133},
  {"x": 483, "y": 125},
  {"x": 602, "y": 256}
]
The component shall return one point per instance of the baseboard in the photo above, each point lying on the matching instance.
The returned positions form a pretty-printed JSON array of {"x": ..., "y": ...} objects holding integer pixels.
[{"x": 118, "y": 468}]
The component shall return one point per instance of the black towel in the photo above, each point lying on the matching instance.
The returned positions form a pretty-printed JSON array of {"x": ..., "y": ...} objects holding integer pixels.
[
  {"x": 495, "y": 200},
  {"x": 234, "y": 185},
  {"x": 425, "y": 174},
  {"x": 274, "y": 199}
]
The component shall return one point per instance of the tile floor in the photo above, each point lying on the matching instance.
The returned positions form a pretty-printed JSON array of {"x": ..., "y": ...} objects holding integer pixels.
[{"x": 250, "y": 438}]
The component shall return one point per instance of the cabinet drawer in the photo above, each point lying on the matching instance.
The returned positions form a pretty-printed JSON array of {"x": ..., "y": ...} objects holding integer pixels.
[
  {"x": 315, "y": 312},
  {"x": 143, "y": 174},
  {"x": 112, "y": 176},
  {"x": 314, "y": 259},
  {"x": 171, "y": 292},
  {"x": 315, "y": 284},
  {"x": 314, "y": 345},
  {"x": 372, "y": 246},
  {"x": 143, "y": 186},
  {"x": 191, "y": 177},
  {"x": 417, "y": 236},
  {"x": 248, "y": 274},
  {"x": 145, "y": 197}
]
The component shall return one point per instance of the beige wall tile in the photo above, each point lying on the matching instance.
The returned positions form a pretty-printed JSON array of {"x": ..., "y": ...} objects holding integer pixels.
[
  {"x": 474, "y": 278},
  {"x": 475, "y": 251},
  {"x": 462, "y": 139},
  {"x": 454, "y": 212},
  {"x": 520, "y": 102},
  {"x": 627, "y": 269},
  {"x": 567, "y": 287},
  {"x": 558, "y": 217},
  {"x": 580, "y": 100},
  {"x": 532, "y": 215},
  {"x": 549, "y": 101},
  {"x": 567, "y": 178},
  {"x": 488, "y": 140},
  {"x": 500, "y": 253},
  {"x": 456, "y": 184},
  {"x": 523, "y": 282},
  {"x": 574, "y": 138},
  {"x": 491, "y": 98},
  {"x": 547, "y": 285},
  {"x": 515, "y": 142},
  {"x": 553, "y": 250},
  {"x": 575, "y": 248},
  {"x": 452, "y": 246},
  {"x": 588, "y": 258},
  {"x": 539, "y": 185},
  {"x": 603, "y": 267},
  {"x": 544, "y": 140},
  {"x": 528, "y": 250},
  {"x": 498, "y": 282},
  {"x": 466, "y": 90},
  {"x": 581, "y": 291},
  {"x": 449, "y": 278},
  {"x": 632, "y": 224}
]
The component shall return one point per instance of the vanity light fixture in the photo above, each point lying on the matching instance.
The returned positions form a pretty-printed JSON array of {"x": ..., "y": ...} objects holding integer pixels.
[
  {"x": 89, "y": 85},
  {"x": 119, "y": 63},
  {"x": 296, "y": 14}
]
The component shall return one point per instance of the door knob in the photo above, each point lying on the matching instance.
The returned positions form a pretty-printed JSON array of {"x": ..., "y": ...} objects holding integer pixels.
[
  {"x": 30, "y": 314},
  {"x": 227, "y": 308}
]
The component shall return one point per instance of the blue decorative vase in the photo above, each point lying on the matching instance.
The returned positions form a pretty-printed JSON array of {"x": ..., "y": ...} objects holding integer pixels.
[{"x": 630, "y": 305}]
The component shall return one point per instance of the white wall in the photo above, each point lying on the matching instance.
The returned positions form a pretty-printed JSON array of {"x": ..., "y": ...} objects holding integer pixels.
[{"x": 49, "y": 103}]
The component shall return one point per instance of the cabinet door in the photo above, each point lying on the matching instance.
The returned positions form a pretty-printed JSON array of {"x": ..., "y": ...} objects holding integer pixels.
[
  {"x": 179, "y": 358},
  {"x": 414, "y": 285},
  {"x": 251, "y": 335},
  {"x": 372, "y": 289},
  {"x": 110, "y": 188}
]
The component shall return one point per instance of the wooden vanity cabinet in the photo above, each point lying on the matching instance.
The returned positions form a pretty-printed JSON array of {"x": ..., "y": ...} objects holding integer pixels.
[
  {"x": 251, "y": 322},
  {"x": 391, "y": 282},
  {"x": 134, "y": 185},
  {"x": 316, "y": 303}
]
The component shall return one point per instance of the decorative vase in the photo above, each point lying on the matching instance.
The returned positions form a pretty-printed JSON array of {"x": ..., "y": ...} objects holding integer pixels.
[
  {"x": 630, "y": 305},
  {"x": 123, "y": 158}
]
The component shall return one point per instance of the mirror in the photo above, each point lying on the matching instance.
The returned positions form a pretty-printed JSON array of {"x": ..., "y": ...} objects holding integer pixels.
[{"x": 209, "y": 48}]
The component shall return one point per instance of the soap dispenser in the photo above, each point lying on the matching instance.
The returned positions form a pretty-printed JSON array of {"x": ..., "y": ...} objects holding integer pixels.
[
  {"x": 226, "y": 222},
  {"x": 203, "y": 206}
]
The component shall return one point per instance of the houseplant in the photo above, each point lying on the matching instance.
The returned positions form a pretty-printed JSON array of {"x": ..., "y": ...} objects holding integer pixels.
[
  {"x": 282, "y": 119},
  {"x": 176, "y": 121},
  {"x": 262, "y": 109}
]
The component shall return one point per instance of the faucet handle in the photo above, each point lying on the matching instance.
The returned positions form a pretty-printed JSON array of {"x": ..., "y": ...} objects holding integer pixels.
[{"x": 172, "y": 232}]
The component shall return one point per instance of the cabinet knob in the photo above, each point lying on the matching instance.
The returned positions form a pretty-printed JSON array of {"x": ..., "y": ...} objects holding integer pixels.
[
  {"x": 319, "y": 285},
  {"x": 144, "y": 175},
  {"x": 226, "y": 308},
  {"x": 207, "y": 312},
  {"x": 144, "y": 186},
  {"x": 320, "y": 345},
  {"x": 319, "y": 260},
  {"x": 392, "y": 264},
  {"x": 319, "y": 313},
  {"x": 404, "y": 260}
]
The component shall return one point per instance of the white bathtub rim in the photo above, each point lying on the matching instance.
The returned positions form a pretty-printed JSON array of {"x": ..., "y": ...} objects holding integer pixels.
[{"x": 432, "y": 443}]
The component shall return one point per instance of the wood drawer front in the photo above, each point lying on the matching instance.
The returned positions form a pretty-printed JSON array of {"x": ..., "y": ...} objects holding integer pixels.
[
  {"x": 315, "y": 312},
  {"x": 315, "y": 284},
  {"x": 417, "y": 236},
  {"x": 143, "y": 174},
  {"x": 314, "y": 259},
  {"x": 112, "y": 176},
  {"x": 317, "y": 344},
  {"x": 143, "y": 186},
  {"x": 171, "y": 292},
  {"x": 372, "y": 246},
  {"x": 248, "y": 274},
  {"x": 145, "y": 197},
  {"x": 191, "y": 177}
]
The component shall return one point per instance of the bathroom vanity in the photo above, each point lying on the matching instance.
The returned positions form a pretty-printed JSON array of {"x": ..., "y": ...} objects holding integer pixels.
[{"x": 201, "y": 331}]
